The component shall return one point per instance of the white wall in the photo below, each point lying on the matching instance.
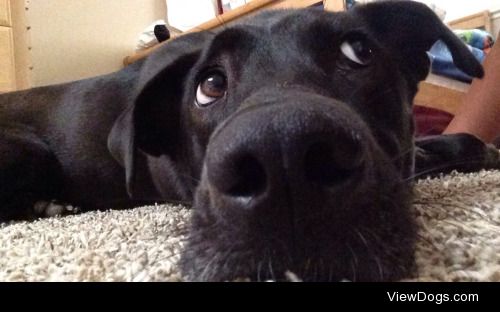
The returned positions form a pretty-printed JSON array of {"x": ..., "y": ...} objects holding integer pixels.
[
  {"x": 75, "y": 39},
  {"x": 460, "y": 8}
]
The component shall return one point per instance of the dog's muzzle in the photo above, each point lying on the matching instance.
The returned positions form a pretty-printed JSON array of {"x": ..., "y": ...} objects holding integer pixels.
[
  {"x": 272, "y": 160},
  {"x": 293, "y": 180}
]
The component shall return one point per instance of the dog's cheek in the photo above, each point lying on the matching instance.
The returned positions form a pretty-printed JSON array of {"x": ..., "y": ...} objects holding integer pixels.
[
  {"x": 203, "y": 211},
  {"x": 397, "y": 228},
  {"x": 212, "y": 252},
  {"x": 195, "y": 257},
  {"x": 385, "y": 230}
]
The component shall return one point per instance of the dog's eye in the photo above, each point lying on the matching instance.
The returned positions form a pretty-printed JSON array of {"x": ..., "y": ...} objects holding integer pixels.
[
  {"x": 357, "y": 51},
  {"x": 211, "y": 88}
]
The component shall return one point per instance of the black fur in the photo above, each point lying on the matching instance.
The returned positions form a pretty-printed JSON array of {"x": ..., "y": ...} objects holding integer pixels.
[{"x": 305, "y": 164}]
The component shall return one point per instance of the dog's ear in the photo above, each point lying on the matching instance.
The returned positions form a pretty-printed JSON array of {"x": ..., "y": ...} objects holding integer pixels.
[
  {"x": 410, "y": 29},
  {"x": 150, "y": 124}
]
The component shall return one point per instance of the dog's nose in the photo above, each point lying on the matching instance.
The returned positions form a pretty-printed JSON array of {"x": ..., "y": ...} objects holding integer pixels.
[
  {"x": 330, "y": 162},
  {"x": 274, "y": 156},
  {"x": 248, "y": 172}
]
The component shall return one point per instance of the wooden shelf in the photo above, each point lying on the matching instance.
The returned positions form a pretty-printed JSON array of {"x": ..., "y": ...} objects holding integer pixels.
[
  {"x": 441, "y": 93},
  {"x": 479, "y": 20},
  {"x": 245, "y": 10}
]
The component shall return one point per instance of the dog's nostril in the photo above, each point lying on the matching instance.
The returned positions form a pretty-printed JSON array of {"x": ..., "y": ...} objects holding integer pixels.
[
  {"x": 329, "y": 165},
  {"x": 249, "y": 178}
]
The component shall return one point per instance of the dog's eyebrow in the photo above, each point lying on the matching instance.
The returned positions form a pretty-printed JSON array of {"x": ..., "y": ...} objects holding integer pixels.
[
  {"x": 230, "y": 40},
  {"x": 335, "y": 25}
]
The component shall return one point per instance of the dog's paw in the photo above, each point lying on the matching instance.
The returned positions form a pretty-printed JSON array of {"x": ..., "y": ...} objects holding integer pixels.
[{"x": 53, "y": 209}]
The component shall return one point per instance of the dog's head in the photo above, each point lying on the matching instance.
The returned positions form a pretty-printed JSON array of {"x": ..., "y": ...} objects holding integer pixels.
[{"x": 294, "y": 132}]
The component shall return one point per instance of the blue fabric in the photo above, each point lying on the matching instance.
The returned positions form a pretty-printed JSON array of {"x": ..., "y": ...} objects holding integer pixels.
[
  {"x": 476, "y": 37},
  {"x": 442, "y": 62},
  {"x": 350, "y": 3}
]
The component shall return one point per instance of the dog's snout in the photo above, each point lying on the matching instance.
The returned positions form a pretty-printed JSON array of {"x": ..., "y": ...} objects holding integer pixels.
[
  {"x": 250, "y": 172},
  {"x": 278, "y": 156},
  {"x": 240, "y": 176},
  {"x": 332, "y": 161},
  {"x": 298, "y": 180}
]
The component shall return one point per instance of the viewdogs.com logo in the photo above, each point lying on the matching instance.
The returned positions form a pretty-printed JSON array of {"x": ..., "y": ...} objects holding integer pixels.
[{"x": 436, "y": 298}]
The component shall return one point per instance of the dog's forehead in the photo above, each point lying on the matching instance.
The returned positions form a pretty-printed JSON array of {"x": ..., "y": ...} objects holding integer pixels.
[
  {"x": 281, "y": 26},
  {"x": 286, "y": 22}
]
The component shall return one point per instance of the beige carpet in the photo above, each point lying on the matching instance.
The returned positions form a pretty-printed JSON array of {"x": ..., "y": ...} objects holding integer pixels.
[{"x": 459, "y": 216}]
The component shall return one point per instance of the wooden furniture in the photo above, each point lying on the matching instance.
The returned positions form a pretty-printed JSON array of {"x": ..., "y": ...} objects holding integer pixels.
[
  {"x": 245, "y": 10},
  {"x": 7, "y": 69},
  {"x": 481, "y": 20},
  {"x": 441, "y": 93}
]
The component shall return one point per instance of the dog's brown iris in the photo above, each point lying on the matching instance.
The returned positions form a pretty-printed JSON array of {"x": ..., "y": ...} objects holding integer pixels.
[
  {"x": 210, "y": 89},
  {"x": 214, "y": 85}
]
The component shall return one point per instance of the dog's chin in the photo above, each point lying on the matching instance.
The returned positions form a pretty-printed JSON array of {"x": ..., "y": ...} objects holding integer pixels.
[{"x": 375, "y": 243}]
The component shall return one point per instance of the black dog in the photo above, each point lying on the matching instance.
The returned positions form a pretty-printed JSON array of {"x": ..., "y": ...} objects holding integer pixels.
[{"x": 291, "y": 132}]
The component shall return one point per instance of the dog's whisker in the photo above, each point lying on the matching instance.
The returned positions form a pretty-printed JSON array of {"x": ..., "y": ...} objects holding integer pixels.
[
  {"x": 361, "y": 236},
  {"x": 191, "y": 178},
  {"x": 450, "y": 164},
  {"x": 208, "y": 267},
  {"x": 380, "y": 268},
  {"x": 403, "y": 154},
  {"x": 307, "y": 266},
  {"x": 321, "y": 268},
  {"x": 354, "y": 257},
  {"x": 353, "y": 270},
  {"x": 428, "y": 131},
  {"x": 316, "y": 270},
  {"x": 259, "y": 270},
  {"x": 371, "y": 251},
  {"x": 227, "y": 254},
  {"x": 330, "y": 273},
  {"x": 271, "y": 271}
]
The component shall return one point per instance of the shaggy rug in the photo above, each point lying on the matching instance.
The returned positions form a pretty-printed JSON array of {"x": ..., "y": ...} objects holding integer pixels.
[{"x": 458, "y": 216}]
